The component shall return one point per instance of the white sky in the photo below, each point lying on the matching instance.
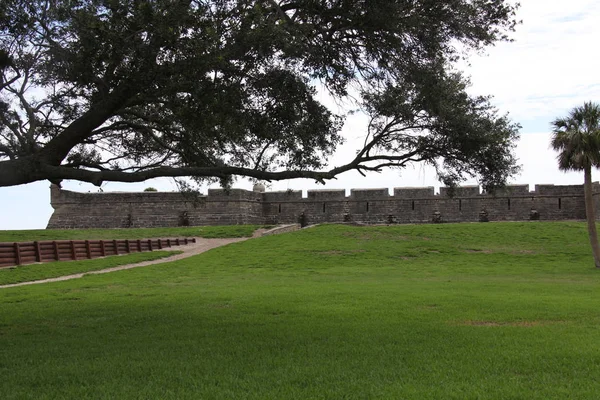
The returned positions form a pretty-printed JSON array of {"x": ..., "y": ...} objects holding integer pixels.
[{"x": 552, "y": 66}]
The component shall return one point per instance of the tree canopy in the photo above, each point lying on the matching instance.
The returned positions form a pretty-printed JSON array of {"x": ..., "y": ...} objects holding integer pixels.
[{"x": 127, "y": 90}]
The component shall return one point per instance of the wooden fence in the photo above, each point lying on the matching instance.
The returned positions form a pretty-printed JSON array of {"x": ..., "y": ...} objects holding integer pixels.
[{"x": 18, "y": 253}]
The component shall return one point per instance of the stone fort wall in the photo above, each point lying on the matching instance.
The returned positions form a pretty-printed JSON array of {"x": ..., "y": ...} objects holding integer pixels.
[{"x": 370, "y": 206}]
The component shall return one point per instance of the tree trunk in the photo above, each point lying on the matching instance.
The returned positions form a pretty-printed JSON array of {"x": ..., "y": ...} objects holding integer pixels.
[{"x": 590, "y": 214}]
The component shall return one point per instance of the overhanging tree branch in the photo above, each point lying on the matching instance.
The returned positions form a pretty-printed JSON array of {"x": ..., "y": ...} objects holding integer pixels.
[{"x": 74, "y": 171}]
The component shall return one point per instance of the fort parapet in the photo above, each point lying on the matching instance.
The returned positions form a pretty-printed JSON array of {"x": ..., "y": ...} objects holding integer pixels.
[{"x": 370, "y": 206}]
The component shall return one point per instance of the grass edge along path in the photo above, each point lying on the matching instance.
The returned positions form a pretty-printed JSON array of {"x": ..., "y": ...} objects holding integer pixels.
[
  {"x": 56, "y": 269},
  {"x": 201, "y": 245}
]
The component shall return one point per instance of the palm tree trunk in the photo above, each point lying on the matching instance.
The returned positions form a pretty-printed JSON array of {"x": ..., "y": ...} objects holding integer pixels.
[{"x": 590, "y": 214}]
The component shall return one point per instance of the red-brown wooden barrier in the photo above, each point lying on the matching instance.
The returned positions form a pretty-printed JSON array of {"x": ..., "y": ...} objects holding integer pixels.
[{"x": 19, "y": 253}]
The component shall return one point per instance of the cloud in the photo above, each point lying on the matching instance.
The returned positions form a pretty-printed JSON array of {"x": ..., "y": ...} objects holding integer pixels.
[{"x": 550, "y": 67}]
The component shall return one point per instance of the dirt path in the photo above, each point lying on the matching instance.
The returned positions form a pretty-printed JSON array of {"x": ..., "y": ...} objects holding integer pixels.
[{"x": 189, "y": 250}]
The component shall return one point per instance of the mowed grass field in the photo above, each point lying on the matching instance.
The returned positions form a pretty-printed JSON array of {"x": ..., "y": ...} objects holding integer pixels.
[{"x": 452, "y": 311}]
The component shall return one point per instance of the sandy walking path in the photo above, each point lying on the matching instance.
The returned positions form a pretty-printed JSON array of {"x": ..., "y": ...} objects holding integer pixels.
[{"x": 189, "y": 250}]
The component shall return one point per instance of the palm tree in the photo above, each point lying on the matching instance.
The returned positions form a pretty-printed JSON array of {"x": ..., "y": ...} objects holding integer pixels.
[{"x": 577, "y": 138}]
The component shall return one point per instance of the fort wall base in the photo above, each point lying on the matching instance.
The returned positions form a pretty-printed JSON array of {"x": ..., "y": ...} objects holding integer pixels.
[{"x": 368, "y": 206}]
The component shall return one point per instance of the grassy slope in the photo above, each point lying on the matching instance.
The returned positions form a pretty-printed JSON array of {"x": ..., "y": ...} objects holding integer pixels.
[
  {"x": 486, "y": 311},
  {"x": 34, "y": 272},
  {"x": 131, "y": 233}
]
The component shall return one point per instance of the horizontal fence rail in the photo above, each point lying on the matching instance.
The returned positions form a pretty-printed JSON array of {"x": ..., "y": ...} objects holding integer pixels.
[{"x": 19, "y": 253}]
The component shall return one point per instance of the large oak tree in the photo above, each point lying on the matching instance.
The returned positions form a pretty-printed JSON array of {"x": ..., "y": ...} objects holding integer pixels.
[{"x": 127, "y": 90}]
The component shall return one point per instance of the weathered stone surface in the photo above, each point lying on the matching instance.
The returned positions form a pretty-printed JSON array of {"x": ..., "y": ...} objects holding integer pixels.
[{"x": 371, "y": 206}]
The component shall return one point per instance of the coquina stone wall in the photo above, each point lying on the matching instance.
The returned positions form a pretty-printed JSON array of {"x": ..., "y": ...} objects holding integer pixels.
[{"x": 371, "y": 206}]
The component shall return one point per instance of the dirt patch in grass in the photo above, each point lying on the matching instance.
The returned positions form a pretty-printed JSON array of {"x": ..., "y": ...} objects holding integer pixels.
[
  {"x": 220, "y": 305},
  {"x": 524, "y": 324},
  {"x": 367, "y": 235},
  {"x": 341, "y": 252},
  {"x": 488, "y": 251}
]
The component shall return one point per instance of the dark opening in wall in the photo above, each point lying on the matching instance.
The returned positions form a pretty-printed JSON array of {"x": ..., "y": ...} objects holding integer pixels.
[
  {"x": 323, "y": 207},
  {"x": 303, "y": 220},
  {"x": 280, "y": 209},
  {"x": 459, "y": 205},
  {"x": 184, "y": 219},
  {"x": 413, "y": 205},
  {"x": 509, "y": 204},
  {"x": 367, "y": 206},
  {"x": 559, "y": 203}
]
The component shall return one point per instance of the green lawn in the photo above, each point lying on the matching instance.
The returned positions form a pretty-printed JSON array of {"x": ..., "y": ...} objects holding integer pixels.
[
  {"x": 465, "y": 311},
  {"x": 34, "y": 272},
  {"x": 130, "y": 233}
]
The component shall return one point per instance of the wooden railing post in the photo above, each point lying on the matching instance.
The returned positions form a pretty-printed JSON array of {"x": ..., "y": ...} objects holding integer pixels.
[
  {"x": 102, "y": 248},
  {"x": 17, "y": 253},
  {"x": 116, "y": 247},
  {"x": 150, "y": 244},
  {"x": 127, "y": 245},
  {"x": 56, "y": 254},
  {"x": 73, "y": 255},
  {"x": 88, "y": 251},
  {"x": 38, "y": 251},
  {"x": 159, "y": 243}
]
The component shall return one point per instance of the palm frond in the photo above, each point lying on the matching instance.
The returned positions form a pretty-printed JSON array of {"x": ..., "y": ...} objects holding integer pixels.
[{"x": 577, "y": 137}]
